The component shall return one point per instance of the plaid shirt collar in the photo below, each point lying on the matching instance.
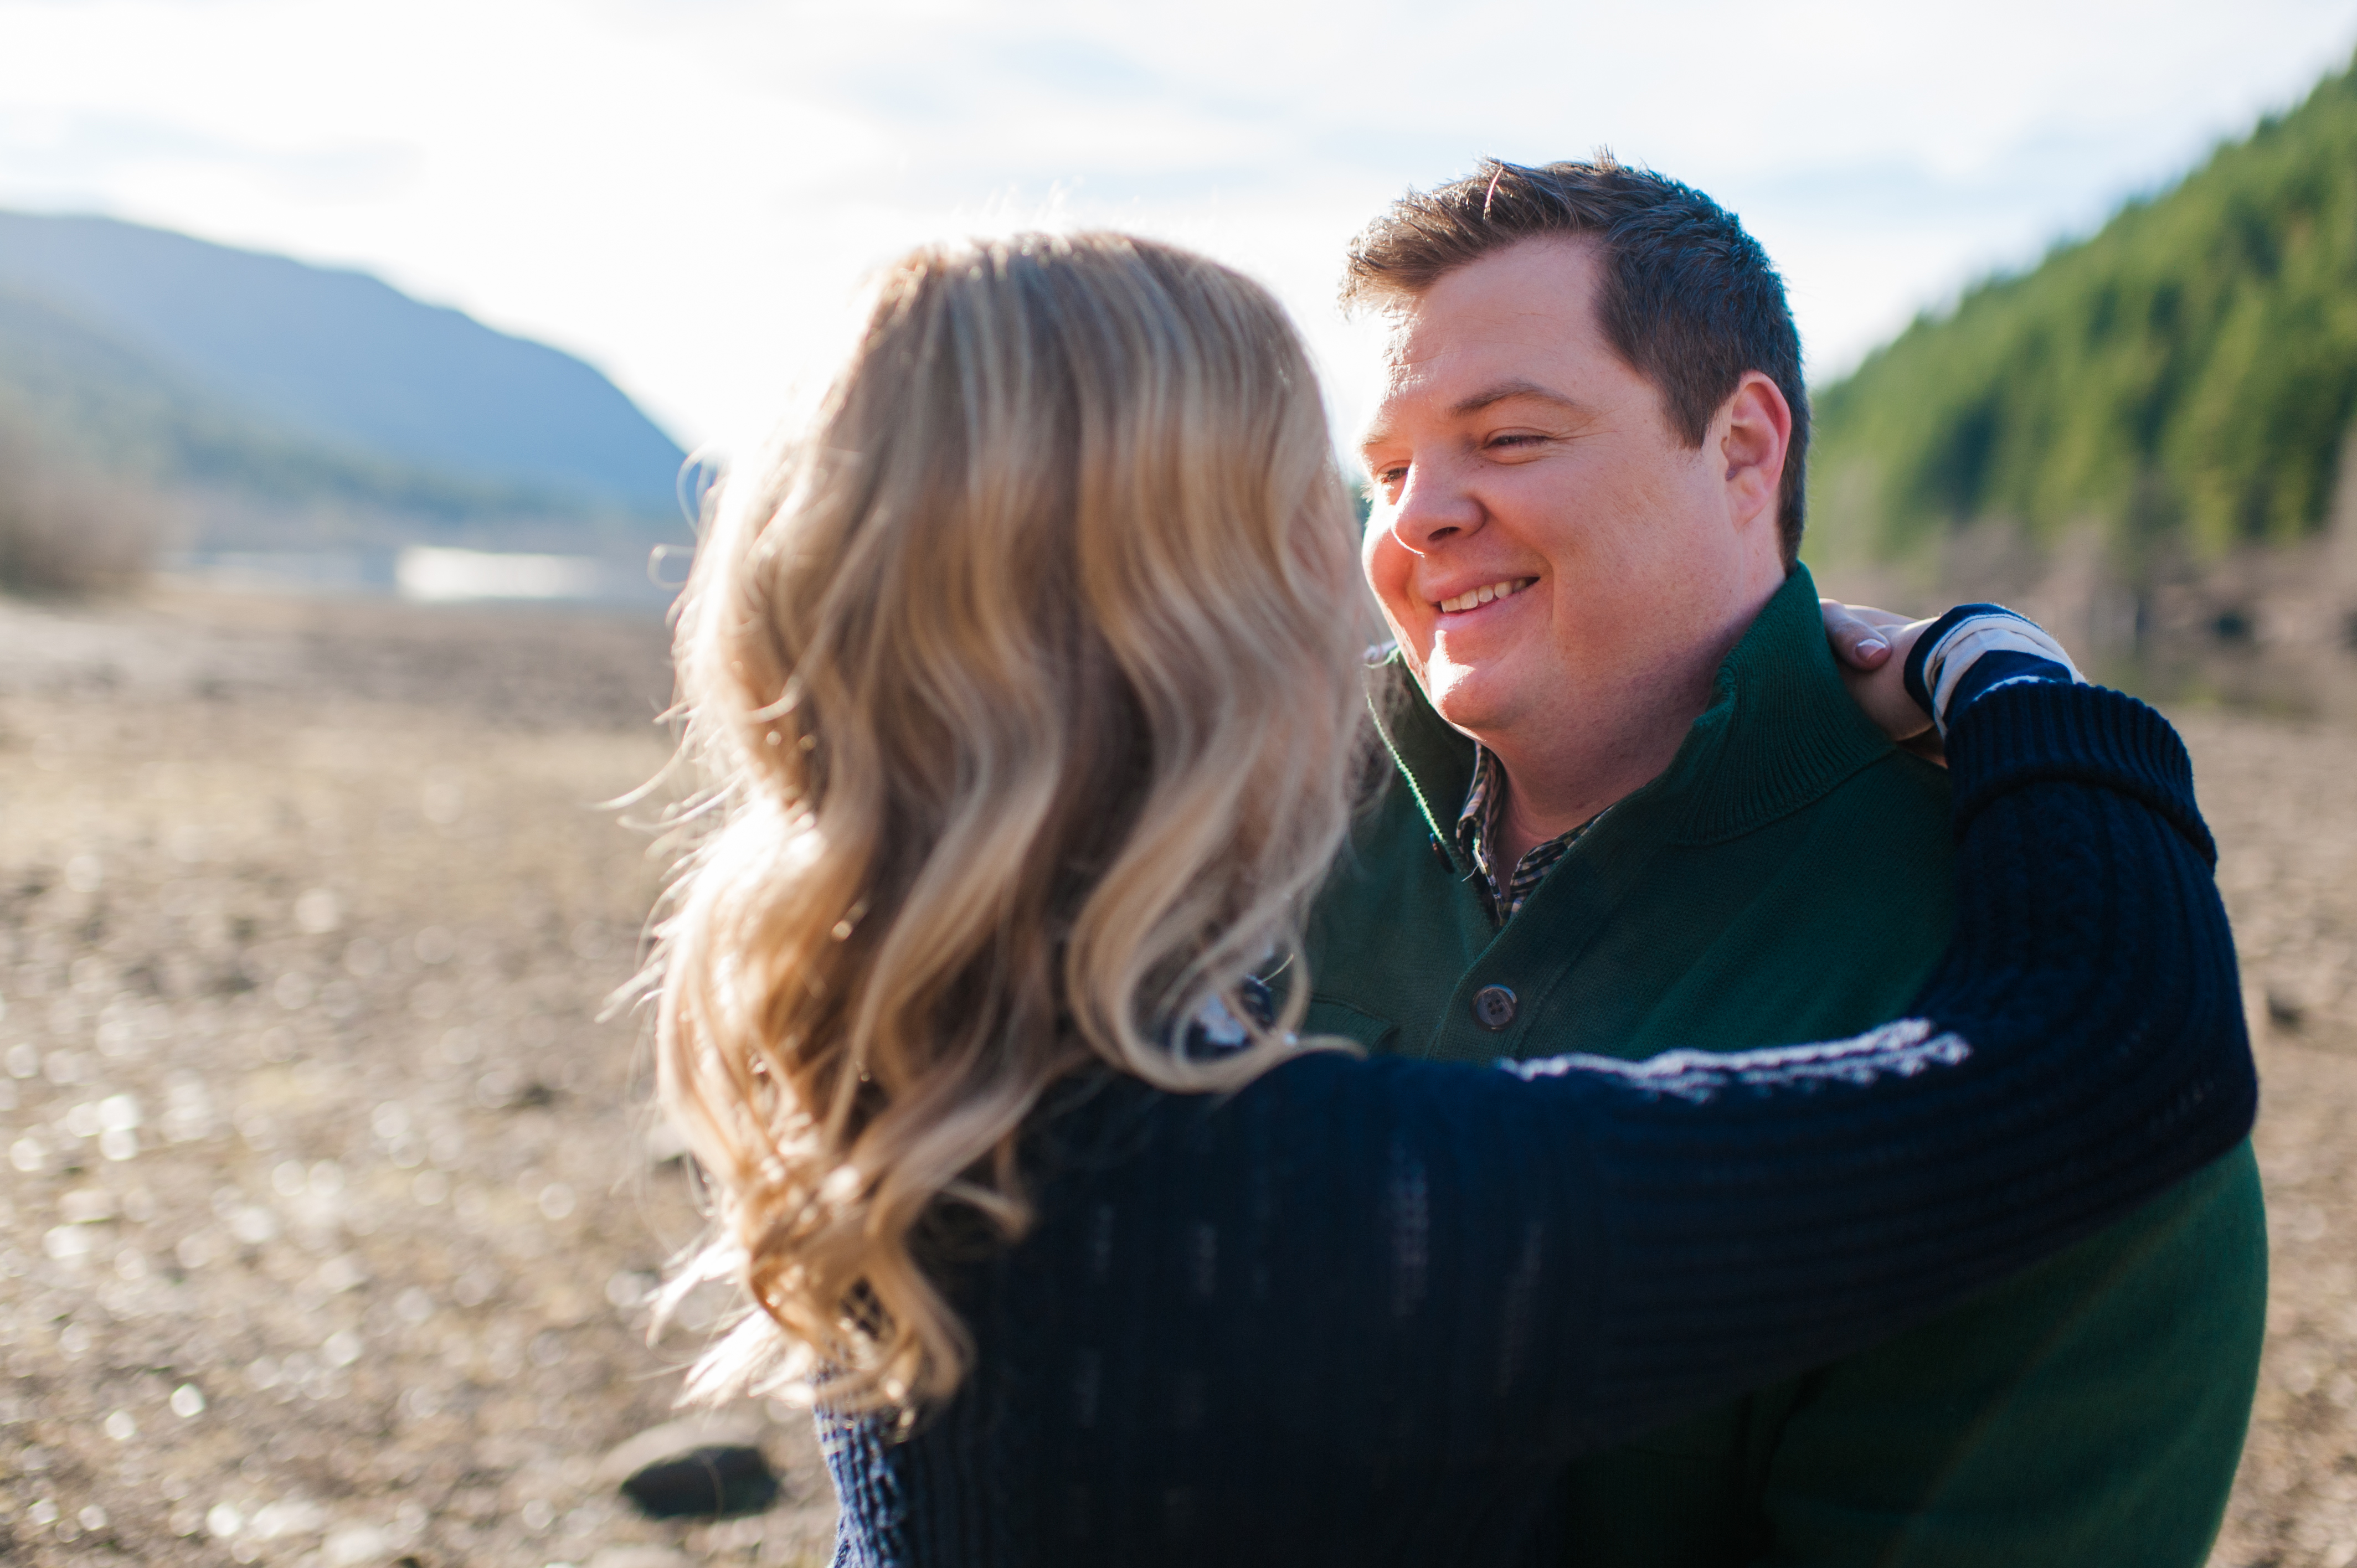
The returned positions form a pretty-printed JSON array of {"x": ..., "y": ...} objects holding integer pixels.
[{"x": 1477, "y": 830}]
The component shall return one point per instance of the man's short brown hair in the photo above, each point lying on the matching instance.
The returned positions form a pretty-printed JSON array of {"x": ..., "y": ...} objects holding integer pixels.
[{"x": 1689, "y": 299}]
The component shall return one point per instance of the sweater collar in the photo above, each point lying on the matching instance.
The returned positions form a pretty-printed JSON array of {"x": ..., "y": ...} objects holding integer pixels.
[{"x": 1780, "y": 734}]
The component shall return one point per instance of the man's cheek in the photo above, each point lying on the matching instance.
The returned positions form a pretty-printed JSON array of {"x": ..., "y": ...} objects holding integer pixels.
[
  {"x": 1387, "y": 574},
  {"x": 1375, "y": 550}
]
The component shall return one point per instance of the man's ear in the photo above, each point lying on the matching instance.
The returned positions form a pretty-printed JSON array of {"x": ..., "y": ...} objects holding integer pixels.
[{"x": 1758, "y": 425}]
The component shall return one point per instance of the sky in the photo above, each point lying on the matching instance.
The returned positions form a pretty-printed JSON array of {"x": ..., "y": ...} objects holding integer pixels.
[{"x": 685, "y": 192}]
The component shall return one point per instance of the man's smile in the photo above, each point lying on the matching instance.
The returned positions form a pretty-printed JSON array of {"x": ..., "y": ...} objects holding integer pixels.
[{"x": 1474, "y": 598}]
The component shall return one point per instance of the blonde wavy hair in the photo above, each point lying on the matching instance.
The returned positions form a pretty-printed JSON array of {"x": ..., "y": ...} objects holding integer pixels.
[{"x": 1026, "y": 681}]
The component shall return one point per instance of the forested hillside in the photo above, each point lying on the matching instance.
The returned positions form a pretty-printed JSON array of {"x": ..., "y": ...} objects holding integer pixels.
[
  {"x": 2188, "y": 375},
  {"x": 94, "y": 400},
  {"x": 161, "y": 393},
  {"x": 343, "y": 361}
]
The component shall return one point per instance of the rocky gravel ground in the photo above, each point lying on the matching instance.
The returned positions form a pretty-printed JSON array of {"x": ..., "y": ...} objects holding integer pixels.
[
  {"x": 331, "y": 1207},
  {"x": 2283, "y": 800},
  {"x": 329, "y": 1218}
]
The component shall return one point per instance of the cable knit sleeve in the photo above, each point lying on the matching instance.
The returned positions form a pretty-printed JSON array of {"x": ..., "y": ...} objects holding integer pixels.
[{"x": 1365, "y": 1307}]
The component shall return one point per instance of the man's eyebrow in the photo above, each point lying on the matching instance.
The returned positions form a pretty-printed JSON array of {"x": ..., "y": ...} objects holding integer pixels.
[{"x": 1518, "y": 388}]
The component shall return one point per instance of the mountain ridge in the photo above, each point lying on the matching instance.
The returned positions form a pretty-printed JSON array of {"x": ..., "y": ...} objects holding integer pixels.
[
  {"x": 112, "y": 408},
  {"x": 196, "y": 362}
]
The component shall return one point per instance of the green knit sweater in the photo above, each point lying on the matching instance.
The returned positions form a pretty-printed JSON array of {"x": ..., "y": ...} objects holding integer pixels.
[{"x": 1788, "y": 878}]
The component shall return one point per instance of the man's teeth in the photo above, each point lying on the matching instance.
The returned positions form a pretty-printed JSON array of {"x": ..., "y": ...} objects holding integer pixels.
[{"x": 1468, "y": 600}]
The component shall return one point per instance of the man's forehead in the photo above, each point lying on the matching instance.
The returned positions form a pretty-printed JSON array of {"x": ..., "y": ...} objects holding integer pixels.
[
  {"x": 1452, "y": 376},
  {"x": 1525, "y": 313},
  {"x": 1423, "y": 355}
]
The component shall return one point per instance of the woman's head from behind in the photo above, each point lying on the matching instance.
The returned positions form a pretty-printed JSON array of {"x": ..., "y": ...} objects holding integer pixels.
[{"x": 1027, "y": 679}]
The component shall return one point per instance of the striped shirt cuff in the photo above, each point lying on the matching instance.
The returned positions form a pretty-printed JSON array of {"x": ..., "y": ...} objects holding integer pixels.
[{"x": 1975, "y": 649}]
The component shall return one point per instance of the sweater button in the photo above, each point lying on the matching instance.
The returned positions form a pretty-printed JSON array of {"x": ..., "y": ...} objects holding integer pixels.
[{"x": 1493, "y": 1006}]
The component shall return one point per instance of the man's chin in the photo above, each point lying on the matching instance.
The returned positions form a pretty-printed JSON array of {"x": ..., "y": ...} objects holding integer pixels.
[{"x": 1466, "y": 699}]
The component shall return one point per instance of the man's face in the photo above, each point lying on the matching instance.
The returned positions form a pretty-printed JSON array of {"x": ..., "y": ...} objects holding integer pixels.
[{"x": 1541, "y": 538}]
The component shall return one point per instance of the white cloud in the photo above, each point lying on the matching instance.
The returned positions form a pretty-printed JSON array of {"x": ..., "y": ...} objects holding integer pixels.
[{"x": 683, "y": 192}]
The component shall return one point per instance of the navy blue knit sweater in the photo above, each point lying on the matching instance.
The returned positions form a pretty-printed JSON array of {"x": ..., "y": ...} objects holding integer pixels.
[{"x": 1364, "y": 1311}]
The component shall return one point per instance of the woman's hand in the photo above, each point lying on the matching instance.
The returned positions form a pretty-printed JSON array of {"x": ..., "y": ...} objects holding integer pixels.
[{"x": 1870, "y": 647}]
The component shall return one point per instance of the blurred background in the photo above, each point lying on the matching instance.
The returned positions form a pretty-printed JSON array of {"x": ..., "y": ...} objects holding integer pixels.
[{"x": 349, "y": 357}]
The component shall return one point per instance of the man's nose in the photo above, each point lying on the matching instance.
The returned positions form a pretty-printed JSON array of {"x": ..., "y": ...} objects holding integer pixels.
[{"x": 1432, "y": 511}]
